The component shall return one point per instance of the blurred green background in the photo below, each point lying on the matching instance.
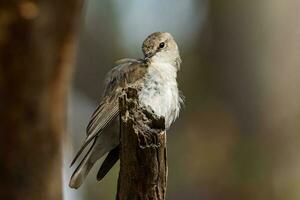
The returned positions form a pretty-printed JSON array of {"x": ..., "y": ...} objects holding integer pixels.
[{"x": 238, "y": 135}]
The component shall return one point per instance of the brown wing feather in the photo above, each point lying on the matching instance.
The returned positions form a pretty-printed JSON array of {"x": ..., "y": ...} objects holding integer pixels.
[
  {"x": 105, "y": 113},
  {"x": 127, "y": 71}
]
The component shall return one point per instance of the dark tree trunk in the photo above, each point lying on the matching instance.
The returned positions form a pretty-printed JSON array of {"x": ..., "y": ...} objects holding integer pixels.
[
  {"x": 143, "y": 172},
  {"x": 36, "y": 53}
]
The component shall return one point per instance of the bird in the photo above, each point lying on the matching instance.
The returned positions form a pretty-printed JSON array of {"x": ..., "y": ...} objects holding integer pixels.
[{"x": 154, "y": 76}]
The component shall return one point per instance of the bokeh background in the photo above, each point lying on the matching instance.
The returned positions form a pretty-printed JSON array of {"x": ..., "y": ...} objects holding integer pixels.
[{"x": 238, "y": 136}]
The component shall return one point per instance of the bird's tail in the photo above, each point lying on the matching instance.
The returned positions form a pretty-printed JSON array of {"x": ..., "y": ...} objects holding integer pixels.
[
  {"x": 102, "y": 144},
  {"x": 83, "y": 169},
  {"x": 108, "y": 163}
]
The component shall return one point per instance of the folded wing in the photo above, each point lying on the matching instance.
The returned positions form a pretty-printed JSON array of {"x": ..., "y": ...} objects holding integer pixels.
[{"x": 127, "y": 71}]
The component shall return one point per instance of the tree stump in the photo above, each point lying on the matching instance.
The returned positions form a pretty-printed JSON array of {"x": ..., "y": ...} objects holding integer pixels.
[{"x": 143, "y": 154}]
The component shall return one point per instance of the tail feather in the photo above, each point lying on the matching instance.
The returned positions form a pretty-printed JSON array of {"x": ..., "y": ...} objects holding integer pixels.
[
  {"x": 83, "y": 169},
  {"x": 102, "y": 144},
  {"x": 96, "y": 151},
  {"x": 108, "y": 163}
]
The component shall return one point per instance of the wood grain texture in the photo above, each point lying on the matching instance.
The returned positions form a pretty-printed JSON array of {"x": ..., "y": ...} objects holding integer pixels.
[{"x": 143, "y": 156}]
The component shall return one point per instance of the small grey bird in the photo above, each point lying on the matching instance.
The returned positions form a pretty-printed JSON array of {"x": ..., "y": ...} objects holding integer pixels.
[{"x": 155, "y": 78}]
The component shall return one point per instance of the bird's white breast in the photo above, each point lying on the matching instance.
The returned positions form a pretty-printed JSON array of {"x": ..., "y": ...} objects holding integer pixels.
[{"x": 160, "y": 91}]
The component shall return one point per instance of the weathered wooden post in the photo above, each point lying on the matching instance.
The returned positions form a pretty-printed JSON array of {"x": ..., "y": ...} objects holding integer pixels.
[{"x": 143, "y": 153}]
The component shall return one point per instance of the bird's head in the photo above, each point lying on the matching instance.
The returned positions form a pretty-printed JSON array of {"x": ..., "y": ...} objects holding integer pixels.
[{"x": 161, "y": 47}]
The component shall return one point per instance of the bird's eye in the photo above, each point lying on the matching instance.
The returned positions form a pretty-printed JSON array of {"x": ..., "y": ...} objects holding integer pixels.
[{"x": 161, "y": 45}]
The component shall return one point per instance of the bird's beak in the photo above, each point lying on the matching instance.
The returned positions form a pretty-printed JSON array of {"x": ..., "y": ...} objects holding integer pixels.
[{"x": 149, "y": 55}]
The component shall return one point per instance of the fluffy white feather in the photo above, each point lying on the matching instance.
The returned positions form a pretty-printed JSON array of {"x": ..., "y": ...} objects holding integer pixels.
[{"x": 160, "y": 90}]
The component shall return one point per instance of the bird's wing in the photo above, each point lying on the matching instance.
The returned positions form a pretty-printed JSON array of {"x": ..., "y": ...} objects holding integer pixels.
[
  {"x": 126, "y": 72},
  {"x": 106, "y": 112},
  {"x": 108, "y": 108}
]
